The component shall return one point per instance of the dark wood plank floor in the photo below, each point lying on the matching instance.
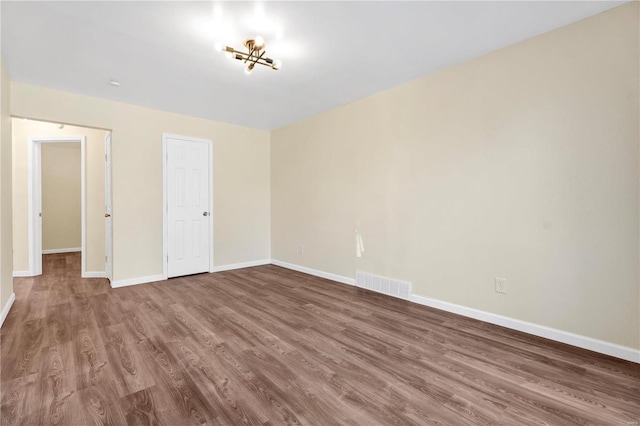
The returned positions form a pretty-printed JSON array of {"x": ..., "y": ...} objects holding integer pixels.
[{"x": 266, "y": 345}]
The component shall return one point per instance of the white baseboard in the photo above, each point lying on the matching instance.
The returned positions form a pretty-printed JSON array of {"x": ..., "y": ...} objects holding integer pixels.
[
  {"x": 22, "y": 274},
  {"x": 321, "y": 274},
  {"x": 577, "y": 340},
  {"x": 160, "y": 277},
  {"x": 137, "y": 280},
  {"x": 62, "y": 250},
  {"x": 94, "y": 274},
  {"x": 7, "y": 307},
  {"x": 241, "y": 265},
  {"x": 580, "y": 341}
]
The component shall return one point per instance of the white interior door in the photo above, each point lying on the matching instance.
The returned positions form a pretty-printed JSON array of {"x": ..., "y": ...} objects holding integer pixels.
[
  {"x": 108, "y": 233},
  {"x": 188, "y": 215}
]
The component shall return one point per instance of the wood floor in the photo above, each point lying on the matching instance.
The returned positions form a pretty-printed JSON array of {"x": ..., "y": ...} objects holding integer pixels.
[{"x": 266, "y": 345}]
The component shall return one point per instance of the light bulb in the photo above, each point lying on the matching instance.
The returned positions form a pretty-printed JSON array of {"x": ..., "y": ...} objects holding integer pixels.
[
  {"x": 259, "y": 42},
  {"x": 249, "y": 68},
  {"x": 229, "y": 55},
  {"x": 276, "y": 64},
  {"x": 218, "y": 46}
]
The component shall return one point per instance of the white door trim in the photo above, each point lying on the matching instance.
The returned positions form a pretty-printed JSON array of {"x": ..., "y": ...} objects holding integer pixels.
[
  {"x": 34, "y": 206},
  {"x": 108, "y": 209},
  {"x": 165, "y": 202}
]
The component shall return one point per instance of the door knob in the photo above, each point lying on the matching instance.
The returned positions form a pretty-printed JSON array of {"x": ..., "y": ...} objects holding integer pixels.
[
  {"x": 205, "y": 214},
  {"x": 107, "y": 215}
]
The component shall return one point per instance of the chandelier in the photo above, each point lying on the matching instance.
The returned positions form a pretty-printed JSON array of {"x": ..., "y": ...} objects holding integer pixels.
[{"x": 255, "y": 55}]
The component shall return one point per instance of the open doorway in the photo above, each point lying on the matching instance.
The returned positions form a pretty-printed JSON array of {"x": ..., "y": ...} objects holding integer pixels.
[
  {"x": 60, "y": 196},
  {"x": 57, "y": 207},
  {"x": 62, "y": 206}
]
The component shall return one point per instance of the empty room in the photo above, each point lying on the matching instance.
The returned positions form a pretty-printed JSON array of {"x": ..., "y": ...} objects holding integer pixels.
[{"x": 319, "y": 213}]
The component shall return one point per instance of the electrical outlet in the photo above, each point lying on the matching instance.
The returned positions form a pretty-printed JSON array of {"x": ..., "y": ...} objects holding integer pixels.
[
  {"x": 301, "y": 249},
  {"x": 501, "y": 285}
]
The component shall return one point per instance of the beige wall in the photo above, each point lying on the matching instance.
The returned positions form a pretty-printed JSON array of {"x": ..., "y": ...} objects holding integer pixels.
[
  {"x": 22, "y": 131},
  {"x": 6, "y": 270},
  {"x": 241, "y": 176},
  {"x": 61, "y": 196},
  {"x": 521, "y": 164},
  {"x": 313, "y": 193}
]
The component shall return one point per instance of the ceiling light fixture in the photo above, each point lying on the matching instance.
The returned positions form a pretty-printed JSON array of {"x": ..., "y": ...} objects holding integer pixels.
[{"x": 255, "y": 54}]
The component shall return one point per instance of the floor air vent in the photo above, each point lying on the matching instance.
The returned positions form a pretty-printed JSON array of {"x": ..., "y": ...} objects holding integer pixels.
[{"x": 389, "y": 286}]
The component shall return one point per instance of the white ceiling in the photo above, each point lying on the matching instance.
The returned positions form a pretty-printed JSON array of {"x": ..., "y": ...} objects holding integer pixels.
[{"x": 333, "y": 53}]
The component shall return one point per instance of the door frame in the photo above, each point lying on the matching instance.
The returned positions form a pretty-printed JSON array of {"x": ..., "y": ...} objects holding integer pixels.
[
  {"x": 34, "y": 205},
  {"x": 165, "y": 200},
  {"x": 108, "y": 209}
]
